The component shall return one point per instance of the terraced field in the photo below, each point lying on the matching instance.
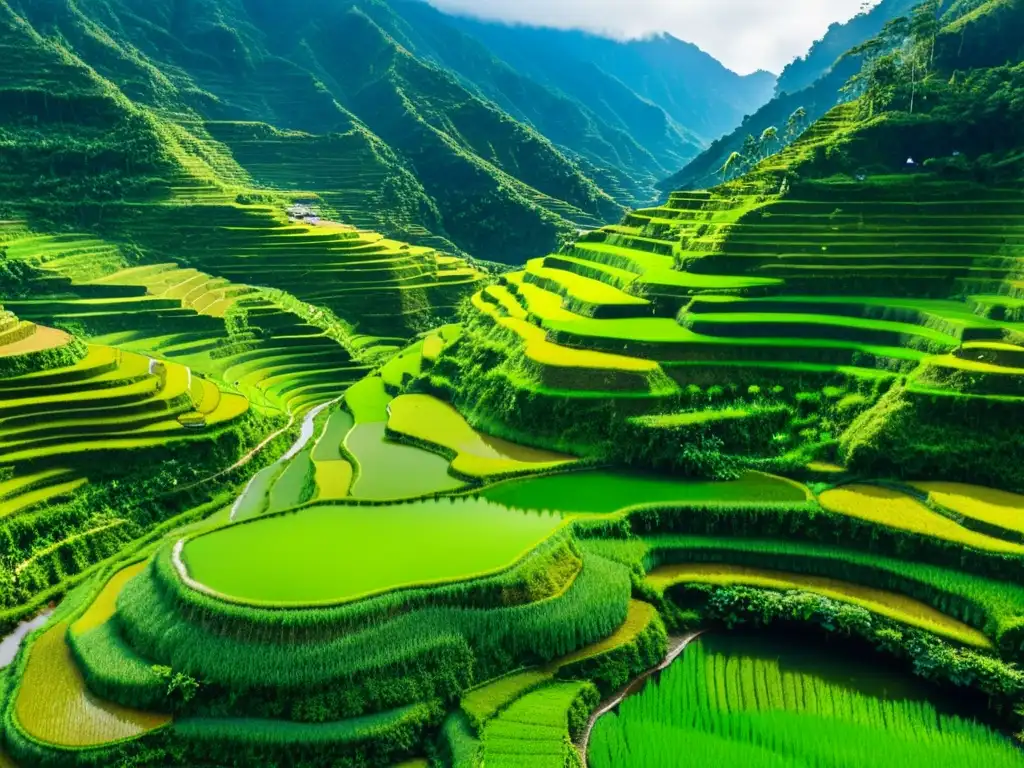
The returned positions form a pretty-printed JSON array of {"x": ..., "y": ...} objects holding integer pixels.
[
  {"x": 887, "y": 604},
  {"x": 320, "y": 556},
  {"x": 55, "y": 706},
  {"x": 777, "y": 320},
  {"x": 602, "y": 492},
  {"x": 277, "y": 489},
  {"x": 54, "y": 422},
  {"x": 431, "y": 421},
  {"x": 729, "y": 701}
]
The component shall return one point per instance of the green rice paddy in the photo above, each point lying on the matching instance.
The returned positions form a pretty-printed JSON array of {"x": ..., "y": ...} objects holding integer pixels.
[
  {"x": 390, "y": 471},
  {"x": 771, "y": 704},
  {"x": 320, "y": 555},
  {"x": 603, "y": 491}
]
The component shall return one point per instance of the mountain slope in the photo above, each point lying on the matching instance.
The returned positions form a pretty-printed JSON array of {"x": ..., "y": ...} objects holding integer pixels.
[
  {"x": 812, "y": 83},
  {"x": 622, "y": 163},
  {"x": 699, "y": 94},
  {"x": 835, "y": 304},
  {"x": 806, "y": 70},
  {"x": 377, "y": 132}
]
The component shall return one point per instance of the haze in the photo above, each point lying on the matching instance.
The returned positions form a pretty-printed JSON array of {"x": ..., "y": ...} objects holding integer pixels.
[{"x": 745, "y": 35}]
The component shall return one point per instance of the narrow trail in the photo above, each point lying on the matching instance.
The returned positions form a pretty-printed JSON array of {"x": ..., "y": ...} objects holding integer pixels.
[{"x": 676, "y": 646}]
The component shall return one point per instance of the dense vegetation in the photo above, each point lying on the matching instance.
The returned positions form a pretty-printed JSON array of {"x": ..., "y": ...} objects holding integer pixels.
[
  {"x": 722, "y": 705},
  {"x": 299, "y": 493},
  {"x": 416, "y": 129}
]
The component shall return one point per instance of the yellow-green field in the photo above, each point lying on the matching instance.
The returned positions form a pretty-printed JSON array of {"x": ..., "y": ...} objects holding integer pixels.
[
  {"x": 55, "y": 707},
  {"x": 897, "y": 510},
  {"x": 999, "y": 508},
  {"x": 103, "y": 607},
  {"x": 478, "y": 455},
  {"x": 332, "y": 555},
  {"x": 888, "y": 604}
]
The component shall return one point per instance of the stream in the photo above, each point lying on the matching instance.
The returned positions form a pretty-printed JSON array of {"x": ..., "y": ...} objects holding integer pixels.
[
  {"x": 9, "y": 645},
  {"x": 257, "y": 485}
]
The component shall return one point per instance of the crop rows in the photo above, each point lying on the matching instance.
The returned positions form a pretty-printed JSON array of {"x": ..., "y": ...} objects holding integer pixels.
[{"x": 721, "y": 708}]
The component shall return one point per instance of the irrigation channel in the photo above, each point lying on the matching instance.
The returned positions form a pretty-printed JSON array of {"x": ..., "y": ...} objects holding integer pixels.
[
  {"x": 257, "y": 483},
  {"x": 676, "y": 646},
  {"x": 9, "y": 645}
]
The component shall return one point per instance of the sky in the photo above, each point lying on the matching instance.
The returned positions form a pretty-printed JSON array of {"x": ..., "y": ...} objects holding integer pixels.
[{"x": 745, "y": 35}]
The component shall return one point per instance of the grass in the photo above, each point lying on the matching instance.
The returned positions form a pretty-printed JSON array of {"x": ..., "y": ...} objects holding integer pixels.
[
  {"x": 640, "y": 616},
  {"x": 603, "y": 491},
  {"x": 897, "y": 510},
  {"x": 993, "y": 605},
  {"x": 580, "y": 288},
  {"x": 54, "y": 706},
  {"x": 888, "y": 604},
  {"x": 322, "y": 555},
  {"x": 485, "y": 702},
  {"x": 998, "y": 508},
  {"x": 543, "y": 352},
  {"x": 534, "y": 731},
  {"x": 727, "y": 702},
  {"x": 478, "y": 455}
]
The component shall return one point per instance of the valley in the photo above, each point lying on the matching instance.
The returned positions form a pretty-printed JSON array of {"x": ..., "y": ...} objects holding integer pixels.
[{"x": 367, "y": 405}]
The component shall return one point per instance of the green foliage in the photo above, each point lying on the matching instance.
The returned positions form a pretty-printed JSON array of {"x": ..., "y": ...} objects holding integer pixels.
[
  {"x": 433, "y": 652},
  {"x": 931, "y": 657},
  {"x": 613, "y": 669},
  {"x": 179, "y": 685},
  {"x": 728, "y": 708},
  {"x": 537, "y": 729},
  {"x": 809, "y": 523}
]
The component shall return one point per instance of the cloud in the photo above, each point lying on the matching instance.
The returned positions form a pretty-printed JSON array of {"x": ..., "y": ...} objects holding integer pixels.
[{"x": 744, "y": 34}]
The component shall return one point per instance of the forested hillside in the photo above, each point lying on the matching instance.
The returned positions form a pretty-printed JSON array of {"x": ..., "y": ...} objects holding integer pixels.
[
  {"x": 659, "y": 89},
  {"x": 412, "y": 127},
  {"x": 810, "y": 86},
  {"x": 877, "y": 255}
]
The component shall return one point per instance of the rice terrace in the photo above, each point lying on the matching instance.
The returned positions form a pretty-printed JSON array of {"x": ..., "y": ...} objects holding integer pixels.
[{"x": 465, "y": 384}]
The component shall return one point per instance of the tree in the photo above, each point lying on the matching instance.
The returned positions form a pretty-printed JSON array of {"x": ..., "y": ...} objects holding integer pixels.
[
  {"x": 731, "y": 167},
  {"x": 769, "y": 140},
  {"x": 920, "y": 49},
  {"x": 751, "y": 147},
  {"x": 796, "y": 124}
]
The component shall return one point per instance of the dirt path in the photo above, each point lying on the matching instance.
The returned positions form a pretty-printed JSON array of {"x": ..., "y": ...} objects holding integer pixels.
[{"x": 676, "y": 646}]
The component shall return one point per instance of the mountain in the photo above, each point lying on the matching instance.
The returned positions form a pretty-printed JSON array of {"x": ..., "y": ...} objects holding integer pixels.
[
  {"x": 701, "y": 96},
  {"x": 626, "y": 152},
  {"x": 837, "y": 303},
  {"x": 840, "y": 38},
  {"x": 423, "y": 126},
  {"x": 388, "y": 140},
  {"x": 812, "y": 83}
]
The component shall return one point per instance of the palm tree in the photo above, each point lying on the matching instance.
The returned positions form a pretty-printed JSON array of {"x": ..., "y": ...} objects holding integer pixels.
[
  {"x": 796, "y": 124},
  {"x": 769, "y": 139},
  {"x": 732, "y": 164}
]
